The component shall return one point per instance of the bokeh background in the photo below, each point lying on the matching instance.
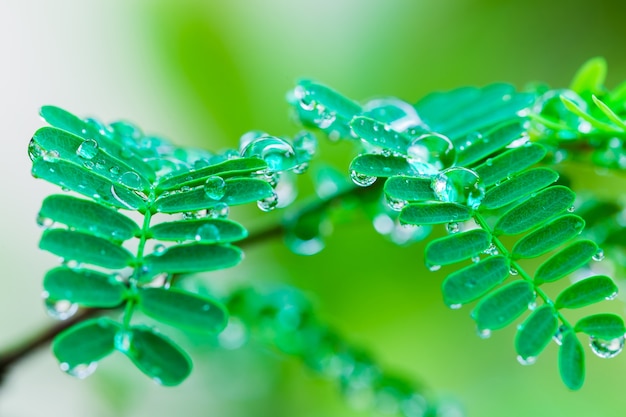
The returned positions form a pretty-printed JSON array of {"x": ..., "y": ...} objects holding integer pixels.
[{"x": 202, "y": 73}]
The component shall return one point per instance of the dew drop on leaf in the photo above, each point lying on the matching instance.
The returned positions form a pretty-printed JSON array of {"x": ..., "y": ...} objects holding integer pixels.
[
  {"x": 159, "y": 249},
  {"x": 268, "y": 203},
  {"x": 396, "y": 204},
  {"x": 34, "y": 150},
  {"x": 88, "y": 149},
  {"x": 452, "y": 227},
  {"x": 208, "y": 232},
  {"x": 80, "y": 371},
  {"x": 432, "y": 149},
  {"x": 122, "y": 340},
  {"x": 606, "y": 348},
  {"x": 484, "y": 333},
  {"x": 433, "y": 268},
  {"x": 529, "y": 360},
  {"x": 131, "y": 180},
  {"x": 558, "y": 336},
  {"x": 513, "y": 271},
  {"x": 598, "y": 256},
  {"x": 59, "y": 309},
  {"x": 459, "y": 185},
  {"x": 218, "y": 211},
  {"x": 455, "y": 306},
  {"x": 44, "y": 222},
  {"x": 361, "y": 180},
  {"x": 215, "y": 187}
]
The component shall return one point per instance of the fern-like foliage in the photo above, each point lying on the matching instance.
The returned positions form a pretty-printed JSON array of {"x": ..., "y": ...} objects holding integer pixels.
[
  {"x": 465, "y": 159},
  {"x": 111, "y": 261}
]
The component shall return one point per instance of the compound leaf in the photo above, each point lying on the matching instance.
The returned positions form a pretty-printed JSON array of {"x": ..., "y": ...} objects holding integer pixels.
[
  {"x": 587, "y": 291},
  {"x": 193, "y": 257},
  {"x": 201, "y": 230},
  {"x": 536, "y": 210},
  {"x": 434, "y": 212},
  {"x": 565, "y": 261},
  {"x": 536, "y": 332},
  {"x": 548, "y": 236},
  {"x": 504, "y": 305},
  {"x": 526, "y": 183},
  {"x": 457, "y": 247},
  {"x": 378, "y": 165},
  {"x": 572, "y": 361},
  {"x": 474, "y": 281},
  {"x": 85, "y": 287},
  {"x": 407, "y": 188},
  {"x": 603, "y": 326},
  {"x": 510, "y": 162},
  {"x": 77, "y": 347},
  {"x": 88, "y": 216},
  {"x": 183, "y": 309},
  {"x": 85, "y": 248}
]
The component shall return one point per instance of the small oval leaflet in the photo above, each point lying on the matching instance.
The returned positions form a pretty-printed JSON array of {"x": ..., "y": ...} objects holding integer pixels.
[
  {"x": 202, "y": 230},
  {"x": 566, "y": 261},
  {"x": 587, "y": 291},
  {"x": 571, "y": 361},
  {"x": 85, "y": 343},
  {"x": 85, "y": 248},
  {"x": 548, "y": 236},
  {"x": 405, "y": 188},
  {"x": 183, "y": 309},
  {"x": 536, "y": 332},
  {"x": 474, "y": 281},
  {"x": 457, "y": 247},
  {"x": 434, "y": 212},
  {"x": 604, "y": 326},
  {"x": 378, "y": 165},
  {"x": 156, "y": 355},
  {"x": 193, "y": 257},
  {"x": 536, "y": 210},
  {"x": 590, "y": 77},
  {"x": 378, "y": 134},
  {"x": 520, "y": 186},
  {"x": 478, "y": 145},
  {"x": 510, "y": 162},
  {"x": 504, "y": 305},
  {"x": 88, "y": 216},
  {"x": 85, "y": 287}
]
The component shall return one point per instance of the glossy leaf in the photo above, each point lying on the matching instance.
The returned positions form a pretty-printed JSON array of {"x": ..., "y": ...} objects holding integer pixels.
[
  {"x": 610, "y": 114},
  {"x": 84, "y": 343},
  {"x": 587, "y": 291},
  {"x": 88, "y": 216},
  {"x": 378, "y": 134},
  {"x": 156, "y": 355},
  {"x": 409, "y": 188},
  {"x": 457, "y": 247},
  {"x": 193, "y": 257},
  {"x": 474, "y": 281},
  {"x": 226, "y": 169},
  {"x": 590, "y": 77},
  {"x": 536, "y": 332},
  {"x": 378, "y": 165},
  {"x": 572, "y": 361},
  {"x": 603, "y": 326},
  {"x": 329, "y": 98},
  {"x": 536, "y": 210},
  {"x": 520, "y": 186},
  {"x": 479, "y": 146},
  {"x": 566, "y": 261},
  {"x": 183, "y": 309},
  {"x": 434, "y": 212},
  {"x": 501, "y": 307},
  {"x": 85, "y": 287},
  {"x": 85, "y": 248},
  {"x": 574, "y": 108},
  {"x": 510, "y": 162},
  {"x": 548, "y": 236},
  {"x": 88, "y": 183},
  {"x": 202, "y": 230}
]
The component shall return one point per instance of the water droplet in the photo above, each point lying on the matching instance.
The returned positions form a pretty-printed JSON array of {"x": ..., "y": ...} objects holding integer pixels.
[
  {"x": 115, "y": 170},
  {"x": 208, "y": 232},
  {"x": 611, "y": 296},
  {"x": 396, "y": 204},
  {"x": 484, "y": 333},
  {"x": 218, "y": 211},
  {"x": 598, "y": 256},
  {"x": 59, "y": 309},
  {"x": 88, "y": 164},
  {"x": 215, "y": 187},
  {"x": 432, "y": 149},
  {"x": 304, "y": 99},
  {"x": 513, "y": 271},
  {"x": 34, "y": 150},
  {"x": 50, "y": 156},
  {"x": 277, "y": 153},
  {"x": 433, "y": 268},
  {"x": 606, "y": 348},
  {"x": 459, "y": 185},
  {"x": 475, "y": 259},
  {"x": 185, "y": 188},
  {"x": 268, "y": 203},
  {"x": 131, "y": 180},
  {"x": 361, "y": 180},
  {"x": 570, "y": 209},
  {"x": 159, "y": 249},
  {"x": 44, "y": 222},
  {"x": 532, "y": 305},
  {"x": 324, "y": 117},
  {"x": 123, "y": 340},
  {"x": 491, "y": 250},
  {"x": 452, "y": 227},
  {"x": 455, "y": 306},
  {"x": 489, "y": 162},
  {"x": 558, "y": 336},
  {"x": 80, "y": 371},
  {"x": 529, "y": 360},
  {"x": 301, "y": 168},
  {"x": 88, "y": 149}
]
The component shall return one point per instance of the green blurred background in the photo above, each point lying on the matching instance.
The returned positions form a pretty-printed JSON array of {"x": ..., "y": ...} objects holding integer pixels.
[{"x": 204, "y": 72}]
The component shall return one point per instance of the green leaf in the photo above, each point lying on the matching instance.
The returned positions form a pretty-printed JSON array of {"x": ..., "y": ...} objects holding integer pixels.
[
  {"x": 329, "y": 98},
  {"x": 566, "y": 261},
  {"x": 183, "y": 309},
  {"x": 574, "y": 108},
  {"x": 378, "y": 165},
  {"x": 85, "y": 287},
  {"x": 456, "y": 247},
  {"x": 202, "y": 230},
  {"x": 590, "y": 77},
  {"x": 85, "y": 248},
  {"x": 474, "y": 281},
  {"x": 77, "y": 347},
  {"x": 226, "y": 169},
  {"x": 501, "y": 307},
  {"x": 434, "y": 212},
  {"x": 536, "y": 210},
  {"x": 510, "y": 162},
  {"x": 609, "y": 113},
  {"x": 520, "y": 186},
  {"x": 88, "y": 183},
  {"x": 479, "y": 146},
  {"x": 237, "y": 191},
  {"x": 379, "y": 134},
  {"x": 571, "y": 361},
  {"x": 155, "y": 355},
  {"x": 536, "y": 333},
  {"x": 603, "y": 326},
  {"x": 88, "y": 216},
  {"x": 587, "y": 291},
  {"x": 193, "y": 257},
  {"x": 409, "y": 188},
  {"x": 548, "y": 236}
]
